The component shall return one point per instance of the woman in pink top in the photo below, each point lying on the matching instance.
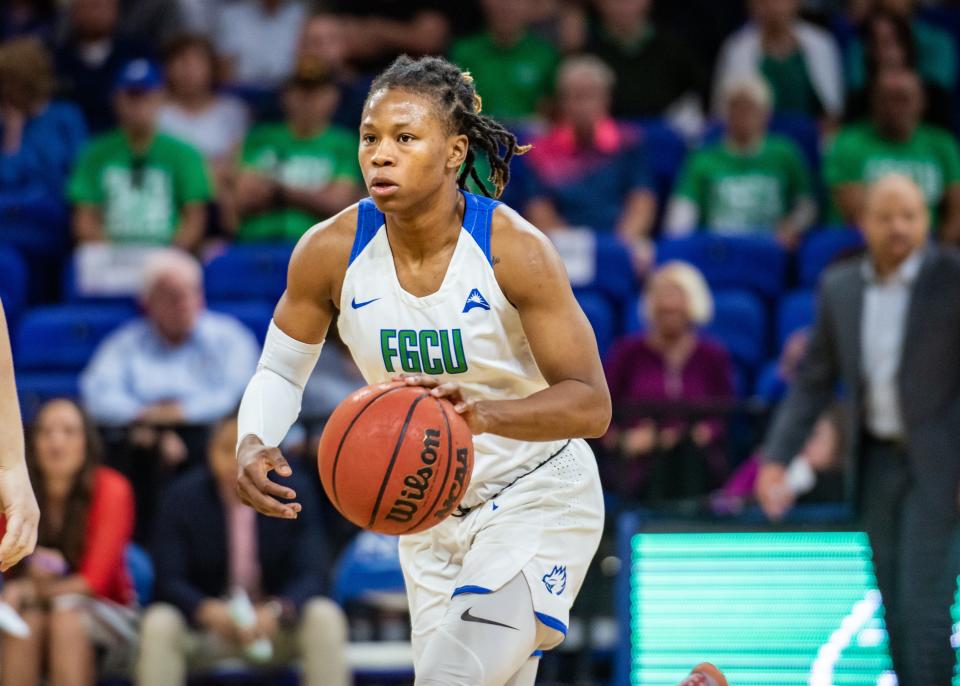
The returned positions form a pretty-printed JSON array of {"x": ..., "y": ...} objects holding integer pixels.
[
  {"x": 78, "y": 571},
  {"x": 671, "y": 366}
]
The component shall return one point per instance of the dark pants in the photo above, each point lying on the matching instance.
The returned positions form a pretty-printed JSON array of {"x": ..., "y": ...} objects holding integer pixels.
[{"x": 916, "y": 557}]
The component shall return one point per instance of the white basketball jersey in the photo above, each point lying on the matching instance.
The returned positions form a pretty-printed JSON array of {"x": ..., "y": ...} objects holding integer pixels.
[{"x": 465, "y": 332}]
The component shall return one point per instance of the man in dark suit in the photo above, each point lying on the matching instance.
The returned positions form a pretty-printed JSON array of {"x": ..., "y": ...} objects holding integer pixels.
[
  {"x": 210, "y": 546},
  {"x": 888, "y": 331}
]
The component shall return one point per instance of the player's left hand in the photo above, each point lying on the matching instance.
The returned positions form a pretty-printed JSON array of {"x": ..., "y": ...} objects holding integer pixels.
[
  {"x": 470, "y": 409},
  {"x": 22, "y": 514}
]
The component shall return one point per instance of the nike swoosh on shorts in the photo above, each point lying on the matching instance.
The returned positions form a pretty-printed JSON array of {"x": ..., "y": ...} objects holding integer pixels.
[{"x": 467, "y": 617}]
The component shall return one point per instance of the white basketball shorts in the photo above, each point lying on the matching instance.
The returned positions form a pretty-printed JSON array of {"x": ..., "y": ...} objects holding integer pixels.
[{"x": 547, "y": 526}]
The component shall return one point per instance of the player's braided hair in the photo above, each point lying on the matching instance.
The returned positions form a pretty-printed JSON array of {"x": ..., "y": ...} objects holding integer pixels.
[{"x": 457, "y": 96}]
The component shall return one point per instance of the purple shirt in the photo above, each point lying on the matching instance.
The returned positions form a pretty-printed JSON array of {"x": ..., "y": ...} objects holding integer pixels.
[{"x": 637, "y": 372}]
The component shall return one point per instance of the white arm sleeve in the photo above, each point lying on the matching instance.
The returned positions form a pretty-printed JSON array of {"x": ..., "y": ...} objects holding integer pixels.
[{"x": 271, "y": 402}]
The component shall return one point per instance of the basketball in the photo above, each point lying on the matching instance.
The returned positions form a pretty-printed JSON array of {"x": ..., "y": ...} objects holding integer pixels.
[{"x": 394, "y": 459}]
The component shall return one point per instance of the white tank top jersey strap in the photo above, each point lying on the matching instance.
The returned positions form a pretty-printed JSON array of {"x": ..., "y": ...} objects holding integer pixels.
[{"x": 467, "y": 332}]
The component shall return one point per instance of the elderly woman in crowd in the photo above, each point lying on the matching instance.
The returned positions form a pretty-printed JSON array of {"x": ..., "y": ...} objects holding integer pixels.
[
  {"x": 670, "y": 365},
  {"x": 76, "y": 583}
]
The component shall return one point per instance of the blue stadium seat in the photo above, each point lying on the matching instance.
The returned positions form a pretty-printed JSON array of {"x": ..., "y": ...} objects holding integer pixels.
[
  {"x": 757, "y": 264},
  {"x": 601, "y": 315},
  {"x": 739, "y": 322},
  {"x": 142, "y": 573},
  {"x": 796, "y": 311},
  {"x": 253, "y": 314},
  {"x": 369, "y": 564},
  {"x": 770, "y": 386},
  {"x": 664, "y": 152},
  {"x": 13, "y": 284},
  {"x": 803, "y": 131},
  {"x": 64, "y": 337},
  {"x": 248, "y": 272},
  {"x": 35, "y": 388},
  {"x": 822, "y": 247}
]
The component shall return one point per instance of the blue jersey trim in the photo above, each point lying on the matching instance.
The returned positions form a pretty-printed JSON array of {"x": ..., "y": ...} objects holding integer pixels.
[
  {"x": 369, "y": 220},
  {"x": 552, "y": 622},
  {"x": 460, "y": 590},
  {"x": 477, "y": 217},
  {"x": 537, "y": 653}
]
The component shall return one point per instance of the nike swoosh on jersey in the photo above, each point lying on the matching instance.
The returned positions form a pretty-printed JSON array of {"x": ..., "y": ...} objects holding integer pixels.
[
  {"x": 467, "y": 617},
  {"x": 355, "y": 305}
]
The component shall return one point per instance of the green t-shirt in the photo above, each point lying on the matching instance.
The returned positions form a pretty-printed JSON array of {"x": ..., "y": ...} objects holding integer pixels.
[
  {"x": 738, "y": 193},
  {"x": 792, "y": 90},
  {"x": 510, "y": 80},
  {"x": 859, "y": 154},
  {"x": 314, "y": 162},
  {"x": 141, "y": 196}
]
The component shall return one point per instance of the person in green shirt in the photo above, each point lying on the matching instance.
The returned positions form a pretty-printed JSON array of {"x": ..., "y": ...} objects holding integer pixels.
[
  {"x": 301, "y": 171},
  {"x": 895, "y": 140},
  {"x": 135, "y": 185},
  {"x": 513, "y": 68},
  {"x": 750, "y": 182}
]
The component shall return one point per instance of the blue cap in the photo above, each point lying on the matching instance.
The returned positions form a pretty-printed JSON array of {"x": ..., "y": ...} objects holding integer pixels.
[{"x": 139, "y": 75}]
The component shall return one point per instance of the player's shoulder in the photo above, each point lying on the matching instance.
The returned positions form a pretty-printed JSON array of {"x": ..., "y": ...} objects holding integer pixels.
[
  {"x": 521, "y": 254},
  {"x": 323, "y": 252},
  {"x": 106, "y": 143},
  {"x": 514, "y": 238}
]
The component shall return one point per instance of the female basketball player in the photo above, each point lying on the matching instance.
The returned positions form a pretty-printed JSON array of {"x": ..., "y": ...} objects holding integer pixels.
[{"x": 458, "y": 293}]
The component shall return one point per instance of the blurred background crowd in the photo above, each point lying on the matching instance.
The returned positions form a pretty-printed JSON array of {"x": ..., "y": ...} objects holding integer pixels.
[{"x": 698, "y": 164}]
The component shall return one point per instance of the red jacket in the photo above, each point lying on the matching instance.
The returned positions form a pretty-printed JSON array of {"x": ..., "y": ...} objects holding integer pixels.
[{"x": 109, "y": 528}]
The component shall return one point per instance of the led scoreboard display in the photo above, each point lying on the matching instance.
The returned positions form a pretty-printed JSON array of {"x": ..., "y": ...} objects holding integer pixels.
[{"x": 769, "y": 608}]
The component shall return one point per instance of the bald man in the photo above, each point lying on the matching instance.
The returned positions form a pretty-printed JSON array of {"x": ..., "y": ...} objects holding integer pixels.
[{"x": 888, "y": 332}]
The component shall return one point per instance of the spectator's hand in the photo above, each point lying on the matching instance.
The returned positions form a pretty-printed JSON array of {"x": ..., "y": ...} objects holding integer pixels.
[
  {"x": 669, "y": 437},
  {"x": 254, "y": 191},
  {"x": 165, "y": 413},
  {"x": 702, "y": 434},
  {"x": 214, "y": 615},
  {"x": 19, "y": 594},
  {"x": 774, "y": 495},
  {"x": 46, "y": 563},
  {"x": 173, "y": 450},
  {"x": 268, "y": 624},
  {"x": 788, "y": 236},
  {"x": 14, "y": 119},
  {"x": 643, "y": 254},
  {"x": 469, "y": 410},
  {"x": 22, "y": 515},
  {"x": 639, "y": 440},
  {"x": 254, "y": 461}
]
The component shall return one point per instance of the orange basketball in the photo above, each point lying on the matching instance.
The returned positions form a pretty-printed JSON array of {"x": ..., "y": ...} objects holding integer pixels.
[{"x": 394, "y": 459}]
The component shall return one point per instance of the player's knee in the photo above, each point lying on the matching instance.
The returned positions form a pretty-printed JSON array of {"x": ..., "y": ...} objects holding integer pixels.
[
  {"x": 323, "y": 617},
  {"x": 163, "y": 624},
  {"x": 449, "y": 662}
]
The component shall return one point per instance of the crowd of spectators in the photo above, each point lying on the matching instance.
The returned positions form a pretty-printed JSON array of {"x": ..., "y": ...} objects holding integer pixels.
[{"x": 170, "y": 132}]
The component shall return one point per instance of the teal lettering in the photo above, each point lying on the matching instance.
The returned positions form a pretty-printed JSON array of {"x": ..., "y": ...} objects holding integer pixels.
[
  {"x": 431, "y": 365},
  {"x": 457, "y": 364},
  {"x": 388, "y": 352},
  {"x": 409, "y": 354}
]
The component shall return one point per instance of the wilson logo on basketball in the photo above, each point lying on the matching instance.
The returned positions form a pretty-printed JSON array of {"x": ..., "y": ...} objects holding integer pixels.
[
  {"x": 416, "y": 484},
  {"x": 456, "y": 488}
]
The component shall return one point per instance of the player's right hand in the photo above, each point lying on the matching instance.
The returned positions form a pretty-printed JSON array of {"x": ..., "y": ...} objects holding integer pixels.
[
  {"x": 775, "y": 496},
  {"x": 254, "y": 462}
]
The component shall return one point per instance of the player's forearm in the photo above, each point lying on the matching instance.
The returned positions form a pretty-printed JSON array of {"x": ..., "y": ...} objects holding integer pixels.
[
  {"x": 11, "y": 428},
  {"x": 568, "y": 409}
]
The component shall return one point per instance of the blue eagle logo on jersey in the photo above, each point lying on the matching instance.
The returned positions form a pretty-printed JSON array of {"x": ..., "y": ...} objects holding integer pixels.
[
  {"x": 475, "y": 299},
  {"x": 556, "y": 579}
]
